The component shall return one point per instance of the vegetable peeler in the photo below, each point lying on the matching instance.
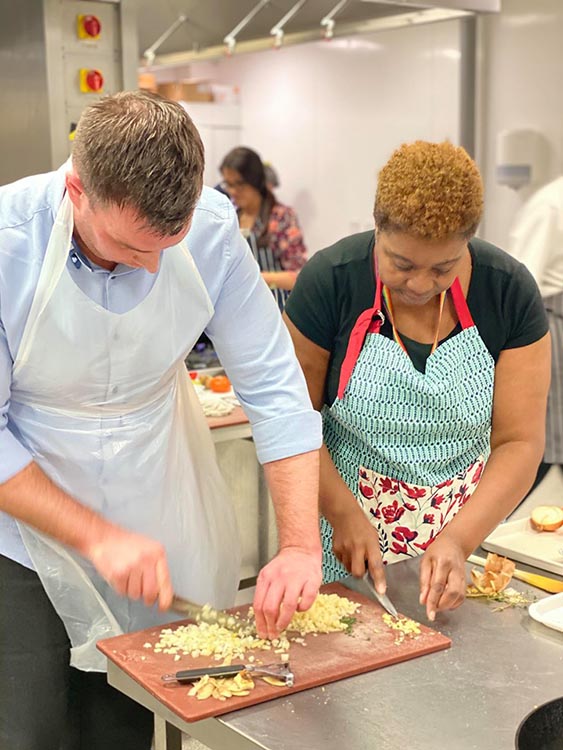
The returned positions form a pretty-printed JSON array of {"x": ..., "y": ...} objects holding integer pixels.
[{"x": 279, "y": 671}]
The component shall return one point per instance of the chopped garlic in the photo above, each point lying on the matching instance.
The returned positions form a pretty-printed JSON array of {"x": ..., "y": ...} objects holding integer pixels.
[
  {"x": 325, "y": 616},
  {"x": 405, "y": 627},
  {"x": 222, "y": 688},
  {"x": 203, "y": 639}
]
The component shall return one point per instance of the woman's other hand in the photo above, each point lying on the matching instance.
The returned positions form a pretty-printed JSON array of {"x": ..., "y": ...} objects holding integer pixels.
[{"x": 442, "y": 575}]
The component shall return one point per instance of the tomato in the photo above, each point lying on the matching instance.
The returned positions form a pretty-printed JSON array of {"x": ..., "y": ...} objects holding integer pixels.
[
  {"x": 193, "y": 375},
  {"x": 219, "y": 384}
]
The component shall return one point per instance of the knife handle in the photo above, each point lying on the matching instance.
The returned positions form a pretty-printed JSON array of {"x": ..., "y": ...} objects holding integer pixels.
[{"x": 190, "y": 675}]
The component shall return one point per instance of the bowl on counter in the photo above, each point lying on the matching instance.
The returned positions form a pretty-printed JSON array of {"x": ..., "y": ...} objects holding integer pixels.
[{"x": 542, "y": 728}]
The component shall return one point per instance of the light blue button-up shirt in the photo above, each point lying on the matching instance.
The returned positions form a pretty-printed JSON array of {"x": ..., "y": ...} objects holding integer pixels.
[{"x": 246, "y": 328}]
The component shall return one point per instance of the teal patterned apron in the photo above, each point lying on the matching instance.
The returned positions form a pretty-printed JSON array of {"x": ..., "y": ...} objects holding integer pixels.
[{"x": 410, "y": 446}]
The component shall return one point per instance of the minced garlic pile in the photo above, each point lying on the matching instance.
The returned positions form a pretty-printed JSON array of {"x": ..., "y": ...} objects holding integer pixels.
[
  {"x": 212, "y": 640},
  {"x": 325, "y": 616},
  {"x": 405, "y": 627}
]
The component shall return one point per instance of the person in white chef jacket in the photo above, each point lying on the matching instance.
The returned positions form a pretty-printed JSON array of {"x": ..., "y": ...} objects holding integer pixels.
[
  {"x": 110, "y": 269},
  {"x": 536, "y": 240}
]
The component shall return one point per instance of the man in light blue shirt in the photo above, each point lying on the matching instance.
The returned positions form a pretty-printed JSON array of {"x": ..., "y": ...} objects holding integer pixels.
[{"x": 98, "y": 301}]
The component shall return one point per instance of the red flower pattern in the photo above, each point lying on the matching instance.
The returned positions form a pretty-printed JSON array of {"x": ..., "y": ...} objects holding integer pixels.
[
  {"x": 414, "y": 507},
  {"x": 477, "y": 475},
  {"x": 366, "y": 490},
  {"x": 404, "y": 534},
  {"x": 392, "y": 513},
  {"x": 387, "y": 485},
  {"x": 399, "y": 549},
  {"x": 414, "y": 492}
]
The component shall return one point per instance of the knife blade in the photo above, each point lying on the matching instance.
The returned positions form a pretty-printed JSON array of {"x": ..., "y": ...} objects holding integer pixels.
[
  {"x": 383, "y": 599},
  {"x": 206, "y": 613}
]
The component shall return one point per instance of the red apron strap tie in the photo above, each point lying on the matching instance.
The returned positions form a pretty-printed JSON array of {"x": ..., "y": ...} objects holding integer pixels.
[
  {"x": 460, "y": 304},
  {"x": 371, "y": 320}
]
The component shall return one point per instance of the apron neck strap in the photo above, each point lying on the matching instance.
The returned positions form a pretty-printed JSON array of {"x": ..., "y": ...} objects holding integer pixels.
[
  {"x": 396, "y": 335},
  {"x": 371, "y": 320},
  {"x": 460, "y": 305}
]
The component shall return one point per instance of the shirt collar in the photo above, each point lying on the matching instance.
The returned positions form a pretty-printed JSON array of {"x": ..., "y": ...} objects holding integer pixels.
[{"x": 80, "y": 260}]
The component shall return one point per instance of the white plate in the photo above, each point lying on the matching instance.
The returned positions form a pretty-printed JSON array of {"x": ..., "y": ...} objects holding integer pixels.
[
  {"x": 519, "y": 541},
  {"x": 549, "y": 611}
]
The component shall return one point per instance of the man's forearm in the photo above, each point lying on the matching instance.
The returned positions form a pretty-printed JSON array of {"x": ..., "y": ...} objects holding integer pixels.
[
  {"x": 31, "y": 497},
  {"x": 294, "y": 487}
]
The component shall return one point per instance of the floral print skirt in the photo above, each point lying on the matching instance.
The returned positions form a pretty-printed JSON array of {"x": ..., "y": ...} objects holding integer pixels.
[{"x": 407, "y": 517}]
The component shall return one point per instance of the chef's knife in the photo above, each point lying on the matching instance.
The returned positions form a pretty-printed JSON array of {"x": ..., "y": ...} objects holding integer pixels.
[
  {"x": 383, "y": 599},
  {"x": 206, "y": 613}
]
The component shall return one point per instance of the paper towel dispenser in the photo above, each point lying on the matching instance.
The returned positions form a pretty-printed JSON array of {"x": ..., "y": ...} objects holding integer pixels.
[{"x": 521, "y": 158}]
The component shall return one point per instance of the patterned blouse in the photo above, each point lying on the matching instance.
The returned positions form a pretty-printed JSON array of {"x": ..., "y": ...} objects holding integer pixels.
[{"x": 286, "y": 238}]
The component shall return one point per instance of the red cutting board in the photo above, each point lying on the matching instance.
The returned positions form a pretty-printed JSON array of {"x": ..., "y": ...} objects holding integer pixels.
[{"x": 325, "y": 658}]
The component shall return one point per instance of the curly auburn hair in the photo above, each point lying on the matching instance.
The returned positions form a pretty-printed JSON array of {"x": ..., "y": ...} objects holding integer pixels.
[{"x": 429, "y": 190}]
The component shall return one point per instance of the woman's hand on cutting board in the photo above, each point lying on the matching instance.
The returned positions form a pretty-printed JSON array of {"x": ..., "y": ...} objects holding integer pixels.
[
  {"x": 442, "y": 575},
  {"x": 355, "y": 542},
  {"x": 289, "y": 583}
]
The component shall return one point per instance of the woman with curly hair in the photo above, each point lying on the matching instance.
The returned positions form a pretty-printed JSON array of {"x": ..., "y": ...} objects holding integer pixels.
[
  {"x": 272, "y": 228},
  {"x": 427, "y": 351}
]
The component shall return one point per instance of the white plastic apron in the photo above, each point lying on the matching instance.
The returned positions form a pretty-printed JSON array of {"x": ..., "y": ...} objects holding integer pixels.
[
  {"x": 411, "y": 446},
  {"x": 104, "y": 403}
]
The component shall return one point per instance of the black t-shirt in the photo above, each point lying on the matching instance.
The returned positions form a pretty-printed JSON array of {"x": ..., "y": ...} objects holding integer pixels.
[{"x": 338, "y": 284}]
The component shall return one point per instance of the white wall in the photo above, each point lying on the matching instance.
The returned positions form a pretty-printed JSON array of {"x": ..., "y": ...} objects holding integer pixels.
[
  {"x": 328, "y": 115},
  {"x": 523, "y": 48}
]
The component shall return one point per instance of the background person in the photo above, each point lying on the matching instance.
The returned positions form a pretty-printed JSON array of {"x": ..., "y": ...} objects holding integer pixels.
[
  {"x": 111, "y": 496},
  {"x": 537, "y": 241},
  {"x": 275, "y": 235},
  {"x": 272, "y": 179},
  {"x": 427, "y": 351}
]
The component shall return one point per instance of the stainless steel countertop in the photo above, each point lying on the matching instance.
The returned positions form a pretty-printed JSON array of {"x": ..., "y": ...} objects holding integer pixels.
[{"x": 473, "y": 696}]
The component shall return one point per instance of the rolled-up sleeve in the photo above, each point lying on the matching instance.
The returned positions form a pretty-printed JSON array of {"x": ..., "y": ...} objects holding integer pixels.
[
  {"x": 13, "y": 456},
  {"x": 256, "y": 351}
]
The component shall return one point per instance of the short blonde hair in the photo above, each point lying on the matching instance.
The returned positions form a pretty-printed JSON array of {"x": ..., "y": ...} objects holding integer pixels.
[{"x": 429, "y": 190}]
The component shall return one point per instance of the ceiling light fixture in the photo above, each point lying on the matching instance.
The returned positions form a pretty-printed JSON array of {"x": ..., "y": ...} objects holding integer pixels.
[
  {"x": 231, "y": 39},
  {"x": 150, "y": 53},
  {"x": 328, "y": 20},
  {"x": 277, "y": 30}
]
